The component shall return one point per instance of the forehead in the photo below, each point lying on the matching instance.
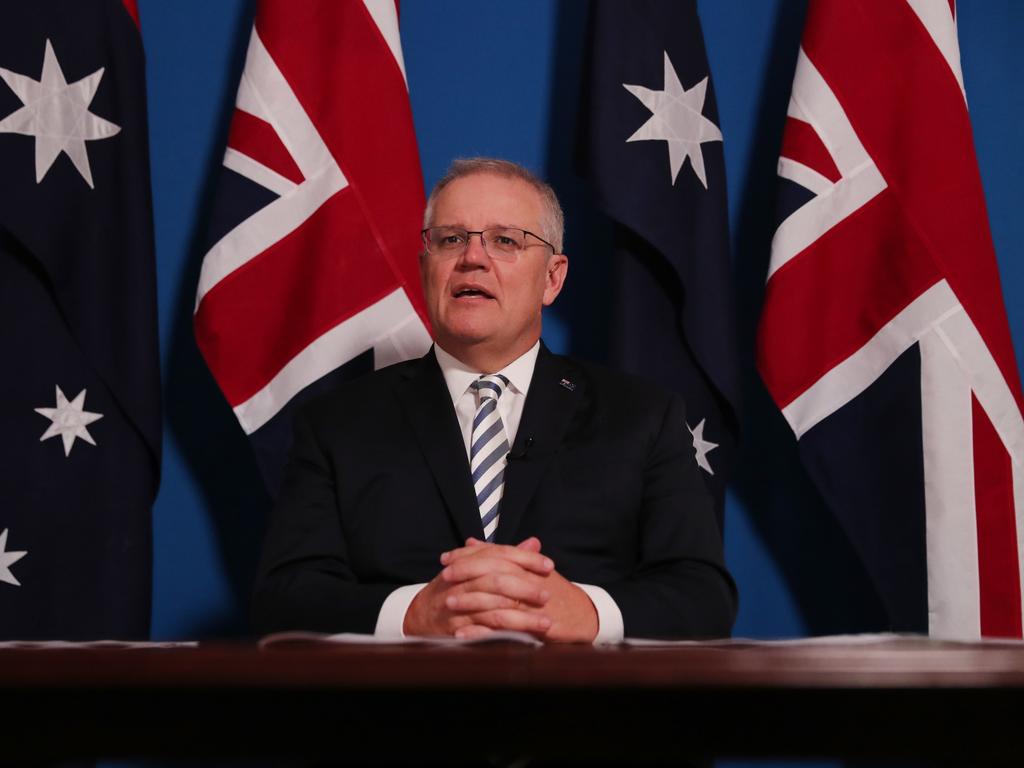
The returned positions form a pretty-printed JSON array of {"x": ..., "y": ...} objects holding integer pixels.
[{"x": 483, "y": 199}]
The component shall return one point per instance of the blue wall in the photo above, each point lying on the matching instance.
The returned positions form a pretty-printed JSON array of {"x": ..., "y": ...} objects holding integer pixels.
[{"x": 795, "y": 573}]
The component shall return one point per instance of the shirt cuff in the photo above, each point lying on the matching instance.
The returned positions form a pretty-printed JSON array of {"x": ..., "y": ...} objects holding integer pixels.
[
  {"x": 391, "y": 618},
  {"x": 609, "y": 617}
]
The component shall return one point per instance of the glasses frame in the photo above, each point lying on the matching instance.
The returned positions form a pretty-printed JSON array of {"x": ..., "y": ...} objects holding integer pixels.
[{"x": 483, "y": 241}]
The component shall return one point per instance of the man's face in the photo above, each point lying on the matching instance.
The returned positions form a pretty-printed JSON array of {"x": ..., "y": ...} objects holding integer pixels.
[{"x": 486, "y": 311}]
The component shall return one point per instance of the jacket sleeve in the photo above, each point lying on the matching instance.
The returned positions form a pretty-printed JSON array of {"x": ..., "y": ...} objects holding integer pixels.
[
  {"x": 305, "y": 581},
  {"x": 680, "y": 587}
]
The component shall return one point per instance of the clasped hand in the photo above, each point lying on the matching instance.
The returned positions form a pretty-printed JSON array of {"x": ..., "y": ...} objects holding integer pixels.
[{"x": 486, "y": 587}]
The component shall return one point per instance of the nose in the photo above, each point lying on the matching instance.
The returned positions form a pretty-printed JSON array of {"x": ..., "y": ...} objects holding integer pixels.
[{"x": 475, "y": 254}]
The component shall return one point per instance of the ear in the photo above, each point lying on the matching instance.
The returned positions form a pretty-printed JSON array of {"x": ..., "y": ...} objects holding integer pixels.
[
  {"x": 423, "y": 269},
  {"x": 557, "y": 269}
]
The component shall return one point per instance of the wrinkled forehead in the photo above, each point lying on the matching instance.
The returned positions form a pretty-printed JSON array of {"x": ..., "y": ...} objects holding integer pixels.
[{"x": 486, "y": 199}]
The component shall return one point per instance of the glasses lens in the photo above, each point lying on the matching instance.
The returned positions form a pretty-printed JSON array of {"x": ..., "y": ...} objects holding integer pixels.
[
  {"x": 504, "y": 244},
  {"x": 446, "y": 240}
]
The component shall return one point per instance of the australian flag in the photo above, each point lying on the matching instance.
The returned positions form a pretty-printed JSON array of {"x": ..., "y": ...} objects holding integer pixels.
[
  {"x": 883, "y": 337},
  {"x": 80, "y": 393},
  {"x": 311, "y": 273},
  {"x": 655, "y": 161}
]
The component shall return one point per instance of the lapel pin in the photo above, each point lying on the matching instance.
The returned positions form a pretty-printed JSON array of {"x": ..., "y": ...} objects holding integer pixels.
[{"x": 568, "y": 385}]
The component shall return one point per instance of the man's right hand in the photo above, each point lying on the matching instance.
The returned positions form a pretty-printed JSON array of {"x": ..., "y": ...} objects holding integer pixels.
[{"x": 440, "y": 608}]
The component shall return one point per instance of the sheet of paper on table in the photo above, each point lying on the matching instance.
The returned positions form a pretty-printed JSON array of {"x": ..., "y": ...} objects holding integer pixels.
[{"x": 351, "y": 638}]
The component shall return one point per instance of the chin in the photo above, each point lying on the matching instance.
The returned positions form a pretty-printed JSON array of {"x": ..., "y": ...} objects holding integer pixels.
[
  {"x": 462, "y": 340},
  {"x": 465, "y": 331}
]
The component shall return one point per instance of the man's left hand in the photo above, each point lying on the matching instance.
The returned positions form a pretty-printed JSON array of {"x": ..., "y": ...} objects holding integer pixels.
[{"x": 573, "y": 616}]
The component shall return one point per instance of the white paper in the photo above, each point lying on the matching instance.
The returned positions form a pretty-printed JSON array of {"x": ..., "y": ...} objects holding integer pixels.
[{"x": 351, "y": 638}]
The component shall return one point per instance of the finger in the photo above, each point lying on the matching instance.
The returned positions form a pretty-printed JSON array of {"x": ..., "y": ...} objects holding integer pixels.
[
  {"x": 512, "y": 586},
  {"x": 524, "y": 558},
  {"x": 470, "y": 545},
  {"x": 457, "y": 621},
  {"x": 513, "y": 620},
  {"x": 473, "y": 632},
  {"x": 461, "y": 570},
  {"x": 474, "y": 602}
]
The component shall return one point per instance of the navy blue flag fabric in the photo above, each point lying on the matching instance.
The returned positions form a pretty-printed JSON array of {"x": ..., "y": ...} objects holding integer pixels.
[
  {"x": 80, "y": 403},
  {"x": 653, "y": 153}
]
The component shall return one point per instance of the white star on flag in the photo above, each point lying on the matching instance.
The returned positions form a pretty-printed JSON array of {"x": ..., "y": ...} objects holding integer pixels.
[
  {"x": 57, "y": 114},
  {"x": 69, "y": 420},
  {"x": 7, "y": 559},
  {"x": 701, "y": 447},
  {"x": 677, "y": 118}
]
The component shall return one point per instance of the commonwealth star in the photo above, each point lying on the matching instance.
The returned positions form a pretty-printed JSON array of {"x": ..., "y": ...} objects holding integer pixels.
[
  {"x": 57, "y": 114},
  {"x": 677, "y": 118}
]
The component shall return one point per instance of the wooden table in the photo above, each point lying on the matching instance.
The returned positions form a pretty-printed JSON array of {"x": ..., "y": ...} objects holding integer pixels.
[{"x": 956, "y": 702}]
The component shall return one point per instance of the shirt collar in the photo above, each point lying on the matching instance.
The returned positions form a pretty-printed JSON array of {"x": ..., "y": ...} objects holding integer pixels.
[{"x": 458, "y": 376}]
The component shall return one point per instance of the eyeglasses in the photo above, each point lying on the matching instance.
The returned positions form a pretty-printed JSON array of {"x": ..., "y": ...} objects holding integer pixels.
[{"x": 500, "y": 243}]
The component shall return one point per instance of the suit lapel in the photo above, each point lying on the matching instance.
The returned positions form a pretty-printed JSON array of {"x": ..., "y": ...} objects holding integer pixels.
[
  {"x": 555, "y": 394},
  {"x": 428, "y": 406}
]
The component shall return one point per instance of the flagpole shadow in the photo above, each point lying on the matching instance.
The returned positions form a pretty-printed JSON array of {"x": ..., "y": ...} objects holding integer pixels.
[
  {"x": 821, "y": 570},
  {"x": 214, "y": 448}
]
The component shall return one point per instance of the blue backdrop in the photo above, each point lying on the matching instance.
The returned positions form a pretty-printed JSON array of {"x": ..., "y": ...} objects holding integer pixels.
[{"x": 796, "y": 574}]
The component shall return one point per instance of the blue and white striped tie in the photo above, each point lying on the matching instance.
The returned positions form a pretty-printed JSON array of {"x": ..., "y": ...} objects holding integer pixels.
[{"x": 488, "y": 451}]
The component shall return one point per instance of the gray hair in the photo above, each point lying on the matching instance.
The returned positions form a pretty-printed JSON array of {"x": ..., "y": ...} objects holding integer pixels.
[{"x": 552, "y": 220}]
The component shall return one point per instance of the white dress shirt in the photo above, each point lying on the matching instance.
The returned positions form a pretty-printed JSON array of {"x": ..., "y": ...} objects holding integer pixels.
[{"x": 458, "y": 376}]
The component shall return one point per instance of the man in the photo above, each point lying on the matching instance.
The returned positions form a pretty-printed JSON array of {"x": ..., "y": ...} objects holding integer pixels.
[{"x": 491, "y": 484}]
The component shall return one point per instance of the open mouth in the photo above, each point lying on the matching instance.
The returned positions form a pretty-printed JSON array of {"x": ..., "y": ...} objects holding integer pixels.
[{"x": 472, "y": 293}]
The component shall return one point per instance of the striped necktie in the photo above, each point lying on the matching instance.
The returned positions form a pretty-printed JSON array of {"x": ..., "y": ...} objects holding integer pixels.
[{"x": 488, "y": 451}]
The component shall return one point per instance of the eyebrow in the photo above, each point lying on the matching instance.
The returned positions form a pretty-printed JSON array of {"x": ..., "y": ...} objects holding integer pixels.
[{"x": 460, "y": 225}]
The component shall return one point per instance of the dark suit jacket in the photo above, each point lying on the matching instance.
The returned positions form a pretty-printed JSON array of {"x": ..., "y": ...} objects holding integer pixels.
[{"x": 602, "y": 471}]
